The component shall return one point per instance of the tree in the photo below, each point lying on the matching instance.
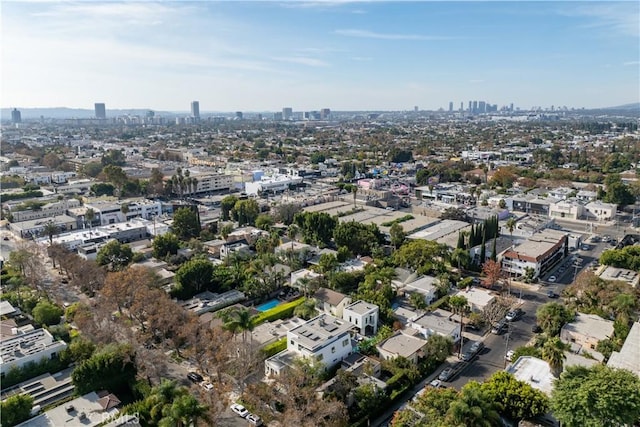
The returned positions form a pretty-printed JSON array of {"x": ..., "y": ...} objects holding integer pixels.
[
  {"x": 238, "y": 321},
  {"x": 511, "y": 224},
  {"x": 50, "y": 229},
  {"x": 459, "y": 305},
  {"x": 90, "y": 215},
  {"x": 306, "y": 310},
  {"x": 114, "y": 175},
  {"x": 552, "y": 316},
  {"x": 186, "y": 223},
  {"x": 434, "y": 404},
  {"x": 246, "y": 211},
  {"x": 456, "y": 214},
  {"x": 47, "y": 313},
  {"x": 16, "y": 409},
  {"x": 354, "y": 190},
  {"x": 226, "y": 206},
  {"x": 264, "y": 222},
  {"x": 112, "y": 368},
  {"x": 438, "y": 347},
  {"x": 425, "y": 256},
  {"x": 185, "y": 410},
  {"x": 518, "y": 399},
  {"x": 553, "y": 353},
  {"x": 92, "y": 169},
  {"x": 596, "y": 396},
  {"x": 192, "y": 277},
  {"x": 368, "y": 397},
  {"x": 166, "y": 244},
  {"x": 416, "y": 299},
  {"x": 113, "y": 157},
  {"x": 102, "y": 189},
  {"x": 473, "y": 408},
  {"x": 461, "y": 258},
  {"x": 115, "y": 255},
  {"x": 316, "y": 227},
  {"x": 357, "y": 237},
  {"x": 397, "y": 235},
  {"x": 493, "y": 271}
]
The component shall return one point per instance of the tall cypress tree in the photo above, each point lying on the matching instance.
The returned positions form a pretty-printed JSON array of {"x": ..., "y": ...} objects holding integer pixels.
[
  {"x": 460, "y": 244},
  {"x": 483, "y": 251},
  {"x": 493, "y": 250}
]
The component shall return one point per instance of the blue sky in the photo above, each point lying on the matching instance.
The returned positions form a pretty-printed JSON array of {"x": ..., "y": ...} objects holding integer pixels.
[{"x": 262, "y": 56}]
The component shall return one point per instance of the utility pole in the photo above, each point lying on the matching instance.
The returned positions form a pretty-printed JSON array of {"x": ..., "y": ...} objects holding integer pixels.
[{"x": 506, "y": 348}]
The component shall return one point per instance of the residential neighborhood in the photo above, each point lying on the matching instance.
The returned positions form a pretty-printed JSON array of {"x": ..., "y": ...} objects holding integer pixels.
[{"x": 346, "y": 270}]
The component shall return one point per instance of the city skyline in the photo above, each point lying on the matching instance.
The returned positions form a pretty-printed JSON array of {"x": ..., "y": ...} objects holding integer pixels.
[{"x": 252, "y": 56}]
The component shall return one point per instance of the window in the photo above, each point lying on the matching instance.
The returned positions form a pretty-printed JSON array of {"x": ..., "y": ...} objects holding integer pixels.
[
  {"x": 333, "y": 349},
  {"x": 345, "y": 342}
]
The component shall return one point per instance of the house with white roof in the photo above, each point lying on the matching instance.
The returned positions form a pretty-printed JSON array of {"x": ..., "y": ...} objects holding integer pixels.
[
  {"x": 364, "y": 316},
  {"x": 438, "y": 322},
  {"x": 427, "y": 286},
  {"x": 478, "y": 298},
  {"x": 629, "y": 355},
  {"x": 402, "y": 345}
]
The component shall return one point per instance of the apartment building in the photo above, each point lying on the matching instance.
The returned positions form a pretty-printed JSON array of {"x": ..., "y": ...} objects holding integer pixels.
[
  {"x": 540, "y": 252},
  {"x": 29, "y": 347}
]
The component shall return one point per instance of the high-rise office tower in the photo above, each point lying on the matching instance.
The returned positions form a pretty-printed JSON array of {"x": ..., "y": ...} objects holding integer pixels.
[
  {"x": 470, "y": 106},
  {"x": 100, "y": 111},
  {"x": 482, "y": 107},
  {"x": 474, "y": 109},
  {"x": 239, "y": 115},
  {"x": 451, "y": 106},
  {"x": 195, "y": 110},
  {"x": 287, "y": 113},
  {"x": 415, "y": 109},
  {"x": 325, "y": 113},
  {"x": 16, "y": 117},
  {"x": 461, "y": 106}
]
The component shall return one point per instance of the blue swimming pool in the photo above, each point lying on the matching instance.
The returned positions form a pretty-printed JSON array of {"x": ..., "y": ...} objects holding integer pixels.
[{"x": 268, "y": 305}]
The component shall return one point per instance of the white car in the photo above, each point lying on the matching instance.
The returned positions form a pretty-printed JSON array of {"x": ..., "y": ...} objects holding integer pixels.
[
  {"x": 254, "y": 420},
  {"x": 436, "y": 383},
  {"x": 207, "y": 386},
  {"x": 240, "y": 410},
  {"x": 509, "y": 355},
  {"x": 552, "y": 279}
]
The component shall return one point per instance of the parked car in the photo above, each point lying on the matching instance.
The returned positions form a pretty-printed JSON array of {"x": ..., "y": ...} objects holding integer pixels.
[
  {"x": 552, "y": 294},
  {"x": 240, "y": 410},
  {"x": 436, "y": 384},
  {"x": 499, "y": 327},
  {"x": 514, "y": 315},
  {"x": 195, "y": 377},
  {"x": 476, "y": 346},
  {"x": 509, "y": 355},
  {"x": 446, "y": 374},
  {"x": 207, "y": 386},
  {"x": 552, "y": 279},
  {"x": 254, "y": 420}
]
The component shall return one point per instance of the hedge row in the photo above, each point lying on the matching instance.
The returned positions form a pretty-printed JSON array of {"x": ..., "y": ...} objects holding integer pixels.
[
  {"x": 398, "y": 220},
  {"x": 16, "y": 196},
  {"x": 275, "y": 347},
  {"x": 278, "y": 312}
]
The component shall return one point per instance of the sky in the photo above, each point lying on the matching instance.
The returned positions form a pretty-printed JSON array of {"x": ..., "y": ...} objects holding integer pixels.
[{"x": 337, "y": 54}]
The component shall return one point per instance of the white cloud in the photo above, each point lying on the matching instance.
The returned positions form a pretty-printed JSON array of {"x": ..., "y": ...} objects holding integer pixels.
[
  {"x": 628, "y": 63},
  {"x": 387, "y": 36},
  {"x": 312, "y": 62},
  {"x": 621, "y": 18}
]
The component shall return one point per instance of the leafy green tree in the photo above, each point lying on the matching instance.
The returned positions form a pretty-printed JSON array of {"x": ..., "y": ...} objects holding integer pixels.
[
  {"x": 316, "y": 227},
  {"x": 102, "y": 189},
  {"x": 461, "y": 258},
  {"x": 115, "y": 255},
  {"x": 112, "y": 368},
  {"x": 264, "y": 222},
  {"x": 416, "y": 299},
  {"x": 166, "y": 244},
  {"x": 552, "y": 316},
  {"x": 192, "y": 277},
  {"x": 185, "y": 410},
  {"x": 92, "y": 169},
  {"x": 328, "y": 263},
  {"x": 306, "y": 310},
  {"x": 359, "y": 238},
  {"x": 186, "y": 223},
  {"x": 81, "y": 349},
  {"x": 527, "y": 350},
  {"x": 114, "y": 175},
  {"x": 368, "y": 398},
  {"x": 16, "y": 409},
  {"x": 50, "y": 229},
  {"x": 596, "y": 396},
  {"x": 246, "y": 211},
  {"x": 459, "y": 305},
  {"x": 397, "y": 235},
  {"x": 46, "y": 313},
  {"x": 421, "y": 255},
  {"x": 518, "y": 399},
  {"x": 473, "y": 408},
  {"x": 113, "y": 157},
  {"x": 438, "y": 347},
  {"x": 226, "y": 206}
]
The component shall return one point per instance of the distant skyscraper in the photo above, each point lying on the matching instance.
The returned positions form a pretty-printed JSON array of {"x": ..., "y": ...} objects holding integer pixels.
[
  {"x": 461, "y": 106},
  {"x": 287, "y": 113},
  {"x": 195, "y": 110},
  {"x": 415, "y": 108},
  {"x": 100, "y": 111},
  {"x": 470, "y": 106},
  {"x": 325, "y": 113},
  {"x": 475, "y": 107},
  {"x": 482, "y": 107},
  {"x": 239, "y": 115},
  {"x": 16, "y": 117},
  {"x": 451, "y": 106}
]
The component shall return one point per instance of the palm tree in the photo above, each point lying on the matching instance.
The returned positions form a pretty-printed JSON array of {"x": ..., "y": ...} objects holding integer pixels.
[
  {"x": 553, "y": 353},
  {"x": 511, "y": 225},
  {"x": 306, "y": 310},
  {"x": 90, "y": 215},
  {"x": 161, "y": 396},
  {"x": 354, "y": 190},
  {"x": 623, "y": 306},
  {"x": 460, "y": 257},
  {"x": 459, "y": 305},
  {"x": 473, "y": 408},
  {"x": 185, "y": 410},
  {"x": 50, "y": 229},
  {"x": 239, "y": 320},
  {"x": 124, "y": 209}
]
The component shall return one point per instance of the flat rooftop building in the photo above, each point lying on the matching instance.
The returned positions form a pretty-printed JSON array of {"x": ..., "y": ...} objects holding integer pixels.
[
  {"x": 533, "y": 371},
  {"x": 29, "y": 347},
  {"x": 629, "y": 355}
]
